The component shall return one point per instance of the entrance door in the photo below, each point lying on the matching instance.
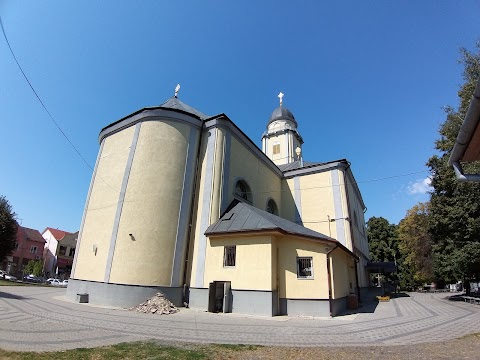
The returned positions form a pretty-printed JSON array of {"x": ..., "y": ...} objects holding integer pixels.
[{"x": 219, "y": 297}]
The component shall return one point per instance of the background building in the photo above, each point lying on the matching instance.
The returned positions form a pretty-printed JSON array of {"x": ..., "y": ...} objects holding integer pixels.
[
  {"x": 59, "y": 252},
  {"x": 29, "y": 246}
]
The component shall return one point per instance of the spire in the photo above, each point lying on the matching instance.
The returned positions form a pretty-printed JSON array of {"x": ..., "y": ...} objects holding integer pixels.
[{"x": 176, "y": 90}]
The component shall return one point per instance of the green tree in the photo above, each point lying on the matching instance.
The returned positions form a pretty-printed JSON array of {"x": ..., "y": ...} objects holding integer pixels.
[
  {"x": 382, "y": 239},
  {"x": 34, "y": 267},
  {"x": 38, "y": 268},
  {"x": 454, "y": 221},
  {"x": 8, "y": 228},
  {"x": 28, "y": 269},
  {"x": 383, "y": 243},
  {"x": 415, "y": 244}
]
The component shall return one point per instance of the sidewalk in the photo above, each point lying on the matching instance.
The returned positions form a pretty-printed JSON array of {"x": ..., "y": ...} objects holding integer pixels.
[{"x": 35, "y": 319}]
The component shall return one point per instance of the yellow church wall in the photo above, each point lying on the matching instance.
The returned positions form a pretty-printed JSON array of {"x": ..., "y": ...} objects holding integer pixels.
[
  {"x": 253, "y": 264},
  {"x": 358, "y": 221},
  {"x": 197, "y": 213},
  {"x": 264, "y": 183},
  {"x": 345, "y": 210},
  {"x": 151, "y": 207},
  {"x": 318, "y": 203},
  {"x": 343, "y": 274},
  {"x": 102, "y": 206},
  {"x": 288, "y": 202},
  {"x": 289, "y": 248}
]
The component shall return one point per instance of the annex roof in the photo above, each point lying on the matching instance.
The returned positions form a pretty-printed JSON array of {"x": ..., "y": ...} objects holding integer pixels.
[{"x": 244, "y": 218}]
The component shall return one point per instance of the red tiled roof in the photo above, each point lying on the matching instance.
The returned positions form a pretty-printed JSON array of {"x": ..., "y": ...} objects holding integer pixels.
[
  {"x": 57, "y": 234},
  {"x": 32, "y": 234}
]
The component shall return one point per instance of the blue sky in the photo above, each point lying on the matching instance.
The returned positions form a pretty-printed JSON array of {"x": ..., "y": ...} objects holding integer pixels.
[{"x": 366, "y": 81}]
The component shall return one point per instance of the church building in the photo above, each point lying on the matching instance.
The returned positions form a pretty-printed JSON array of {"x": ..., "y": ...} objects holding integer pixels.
[{"x": 187, "y": 204}]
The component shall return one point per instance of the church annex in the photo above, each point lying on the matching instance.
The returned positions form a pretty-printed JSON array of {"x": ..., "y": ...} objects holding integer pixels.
[{"x": 187, "y": 204}]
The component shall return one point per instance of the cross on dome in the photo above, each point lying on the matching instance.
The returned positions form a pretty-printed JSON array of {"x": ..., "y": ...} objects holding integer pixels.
[
  {"x": 280, "y": 96},
  {"x": 176, "y": 90}
]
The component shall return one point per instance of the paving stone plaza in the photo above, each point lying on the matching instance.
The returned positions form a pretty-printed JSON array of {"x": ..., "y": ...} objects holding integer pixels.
[{"x": 39, "y": 319}]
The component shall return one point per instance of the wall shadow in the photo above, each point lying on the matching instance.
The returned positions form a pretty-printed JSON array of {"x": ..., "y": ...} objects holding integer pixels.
[
  {"x": 5, "y": 295},
  {"x": 400, "y": 295},
  {"x": 366, "y": 307}
]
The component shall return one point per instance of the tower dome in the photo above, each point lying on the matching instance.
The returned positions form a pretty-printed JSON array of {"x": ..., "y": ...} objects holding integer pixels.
[
  {"x": 282, "y": 113},
  {"x": 282, "y": 138}
]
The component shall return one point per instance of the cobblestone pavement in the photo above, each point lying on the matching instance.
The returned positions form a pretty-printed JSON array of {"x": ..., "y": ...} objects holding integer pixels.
[{"x": 38, "y": 319}]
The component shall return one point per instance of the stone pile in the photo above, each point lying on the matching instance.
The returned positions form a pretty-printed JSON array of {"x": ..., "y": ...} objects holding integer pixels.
[{"x": 157, "y": 304}]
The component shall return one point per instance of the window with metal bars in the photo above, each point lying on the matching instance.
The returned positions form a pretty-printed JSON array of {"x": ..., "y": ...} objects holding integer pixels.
[
  {"x": 304, "y": 268},
  {"x": 229, "y": 255}
]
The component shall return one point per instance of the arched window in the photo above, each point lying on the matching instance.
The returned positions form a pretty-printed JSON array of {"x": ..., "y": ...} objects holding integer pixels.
[
  {"x": 242, "y": 190},
  {"x": 272, "y": 207}
]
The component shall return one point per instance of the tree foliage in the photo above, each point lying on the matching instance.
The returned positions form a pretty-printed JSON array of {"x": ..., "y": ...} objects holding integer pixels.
[
  {"x": 383, "y": 243},
  {"x": 8, "y": 228},
  {"x": 454, "y": 221},
  {"x": 415, "y": 244},
  {"x": 382, "y": 239},
  {"x": 34, "y": 267}
]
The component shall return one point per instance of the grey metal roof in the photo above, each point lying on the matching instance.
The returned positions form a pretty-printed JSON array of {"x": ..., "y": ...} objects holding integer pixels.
[
  {"x": 246, "y": 218},
  {"x": 175, "y": 103},
  {"x": 282, "y": 113}
]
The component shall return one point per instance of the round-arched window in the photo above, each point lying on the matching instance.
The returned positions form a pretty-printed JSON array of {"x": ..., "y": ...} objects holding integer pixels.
[
  {"x": 272, "y": 207},
  {"x": 242, "y": 190}
]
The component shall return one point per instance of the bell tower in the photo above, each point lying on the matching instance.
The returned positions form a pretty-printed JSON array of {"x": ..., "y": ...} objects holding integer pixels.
[{"x": 281, "y": 139}]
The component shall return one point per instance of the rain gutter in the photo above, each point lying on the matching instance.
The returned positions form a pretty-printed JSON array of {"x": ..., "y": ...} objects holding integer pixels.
[{"x": 464, "y": 136}]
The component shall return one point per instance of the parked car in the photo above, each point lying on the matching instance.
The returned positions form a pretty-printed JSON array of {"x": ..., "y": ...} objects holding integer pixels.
[
  {"x": 49, "y": 280},
  {"x": 56, "y": 282},
  {"x": 65, "y": 282},
  {"x": 10, "y": 277},
  {"x": 32, "y": 278}
]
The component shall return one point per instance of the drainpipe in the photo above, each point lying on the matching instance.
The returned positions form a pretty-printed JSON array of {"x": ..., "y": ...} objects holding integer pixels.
[
  {"x": 461, "y": 176},
  {"x": 329, "y": 279}
]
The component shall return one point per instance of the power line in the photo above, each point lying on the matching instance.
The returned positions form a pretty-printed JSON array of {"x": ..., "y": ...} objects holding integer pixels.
[
  {"x": 45, "y": 108},
  {"x": 40, "y": 100}
]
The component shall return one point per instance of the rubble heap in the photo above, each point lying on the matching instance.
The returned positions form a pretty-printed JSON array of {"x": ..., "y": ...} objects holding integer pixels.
[{"x": 157, "y": 304}]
